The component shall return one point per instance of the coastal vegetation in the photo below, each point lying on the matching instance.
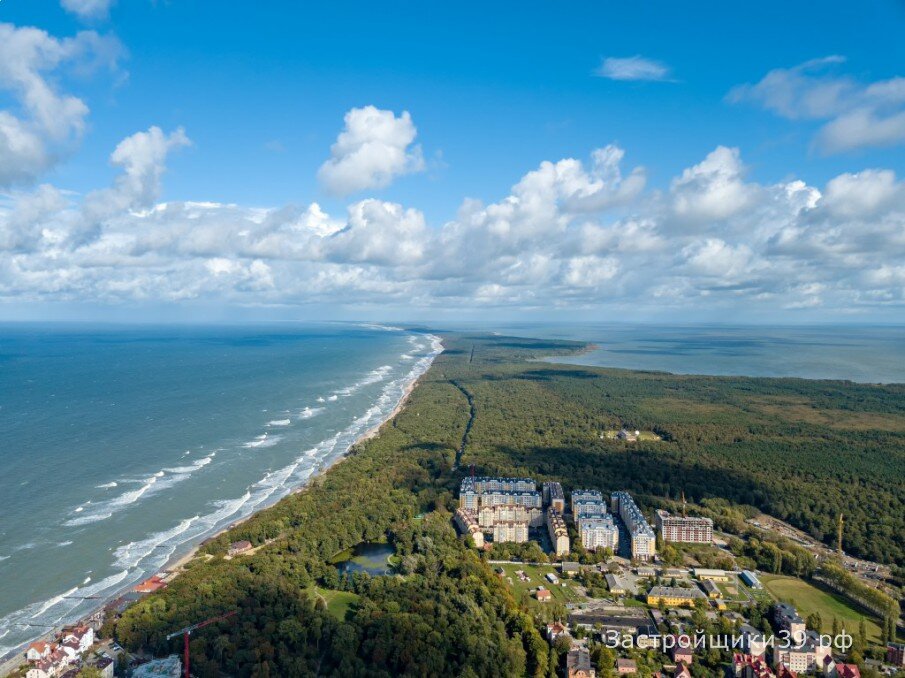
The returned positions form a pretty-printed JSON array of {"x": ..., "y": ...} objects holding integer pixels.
[{"x": 800, "y": 450}]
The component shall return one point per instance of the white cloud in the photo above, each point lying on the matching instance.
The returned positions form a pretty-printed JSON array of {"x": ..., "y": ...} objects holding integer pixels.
[
  {"x": 633, "y": 68},
  {"x": 855, "y": 115},
  {"x": 49, "y": 122},
  {"x": 88, "y": 9},
  {"x": 569, "y": 235},
  {"x": 374, "y": 148},
  {"x": 713, "y": 189}
]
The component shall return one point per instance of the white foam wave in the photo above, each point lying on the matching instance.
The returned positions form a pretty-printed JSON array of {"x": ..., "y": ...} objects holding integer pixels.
[
  {"x": 321, "y": 399},
  {"x": 279, "y": 422},
  {"x": 309, "y": 412},
  {"x": 373, "y": 377},
  {"x": 333, "y": 398},
  {"x": 107, "y": 486},
  {"x": 131, "y": 554},
  {"x": 263, "y": 440},
  {"x": 191, "y": 468}
]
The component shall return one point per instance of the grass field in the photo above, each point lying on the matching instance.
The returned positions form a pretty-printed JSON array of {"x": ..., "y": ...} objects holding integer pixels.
[
  {"x": 537, "y": 575},
  {"x": 809, "y": 599},
  {"x": 338, "y": 602}
]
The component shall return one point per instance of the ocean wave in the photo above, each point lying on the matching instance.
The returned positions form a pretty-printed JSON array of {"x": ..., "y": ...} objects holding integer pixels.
[
  {"x": 191, "y": 468},
  {"x": 263, "y": 440},
  {"x": 309, "y": 412},
  {"x": 374, "y": 376},
  {"x": 107, "y": 486},
  {"x": 279, "y": 422},
  {"x": 130, "y": 555}
]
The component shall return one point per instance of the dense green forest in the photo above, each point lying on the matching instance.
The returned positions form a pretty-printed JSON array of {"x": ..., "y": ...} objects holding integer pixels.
[{"x": 801, "y": 450}]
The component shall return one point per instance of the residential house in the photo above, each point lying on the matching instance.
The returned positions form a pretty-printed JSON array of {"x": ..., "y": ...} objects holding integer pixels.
[
  {"x": 151, "y": 585},
  {"x": 543, "y": 595},
  {"x": 624, "y": 666},
  {"x": 239, "y": 547},
  {"x": 578, "y": 663},
  {"x": 555, "y": 630}
]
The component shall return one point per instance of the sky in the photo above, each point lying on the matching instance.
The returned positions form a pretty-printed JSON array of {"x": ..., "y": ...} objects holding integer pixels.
[{"x": 178, "y": 159}]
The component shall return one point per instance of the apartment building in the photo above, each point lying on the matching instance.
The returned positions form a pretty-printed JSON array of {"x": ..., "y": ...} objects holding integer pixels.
[
  {"x": 554, "y": 497},
  {"x": 510, "y": 531},
  {"x": 559, "y": 535},
  {"x": 586, "y": 495},
  {"x": 788, "y": 619},
  {"x": 588, "y": 509},
  {"x": 599, "y": 532},
  {"x": 488, "y": 516},
  {"x": 467, "y": 523},
  {"x": 643, "y": 539},
  {"x": 685, "y": 530}
]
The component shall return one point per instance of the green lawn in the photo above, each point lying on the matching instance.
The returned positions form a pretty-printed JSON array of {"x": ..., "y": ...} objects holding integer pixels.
[
  {"x": 809, "y": 599},
  {"x": 338, "y": 602},
  {"x": 538, "y": 577}
]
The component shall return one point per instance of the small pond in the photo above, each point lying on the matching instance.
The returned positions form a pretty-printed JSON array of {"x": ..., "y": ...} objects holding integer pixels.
[{"x": 370, "y": 557}]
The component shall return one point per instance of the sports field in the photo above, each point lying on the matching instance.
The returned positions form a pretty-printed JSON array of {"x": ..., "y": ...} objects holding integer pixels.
[{"x": 809, "y": 599}]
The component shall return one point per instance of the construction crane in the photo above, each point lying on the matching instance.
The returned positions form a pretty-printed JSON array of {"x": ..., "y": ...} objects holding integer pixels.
[
  {"x": 187, "y": 631},
  {"x": 839, "y": 525}
]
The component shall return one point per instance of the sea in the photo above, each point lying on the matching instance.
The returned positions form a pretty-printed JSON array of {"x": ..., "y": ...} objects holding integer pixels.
[
  {"x": 123, "y": 447},
  {"x": 860, "y": 353}
]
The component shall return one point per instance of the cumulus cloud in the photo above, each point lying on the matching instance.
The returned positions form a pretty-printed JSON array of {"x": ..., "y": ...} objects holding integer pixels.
[
  {"x": 88, "y": 9},
  {"x": 374, "y": 148},
  {"x": 49, "y": 122},
  {"x": 569, "y": 234},
  {"x": 633, "y": 68},
  {"x": 855, "y": 115}
]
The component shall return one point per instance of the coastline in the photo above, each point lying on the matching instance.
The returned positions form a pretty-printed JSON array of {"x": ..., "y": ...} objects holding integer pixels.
[{"x": 14, "y": 658}]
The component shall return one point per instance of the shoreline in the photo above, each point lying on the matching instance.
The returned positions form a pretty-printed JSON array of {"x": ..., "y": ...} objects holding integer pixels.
[{"x": 171, "y": 569}]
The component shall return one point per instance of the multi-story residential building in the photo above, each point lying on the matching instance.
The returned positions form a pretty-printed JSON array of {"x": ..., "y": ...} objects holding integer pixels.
[
  {"x": 598, "y": 533},
  {"x": 895, "y": 654},
  {"x": 559, "y": 535},
  {"x": 585, "y": 495},
  {"x": 788, "y": 619},
  {"x": 554, "y": 497},
  {"x": 754, "y": 641},
  {"x": 683, "y": 529},
  {"x": 491, "y": 484},
  {"x": 510, "y": 531},
  {"x": 467, "y": 523},
  {"x": 489, "y": 515},
  {"x": 805, "y": 657},
  {"x": 673, "y": 596},
  {"x": 588, "y": 509},
  {"x": 644, "y": 541}
]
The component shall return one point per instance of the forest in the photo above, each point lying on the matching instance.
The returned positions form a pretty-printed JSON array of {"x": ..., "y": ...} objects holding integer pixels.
[{"x": 800, "y": 450}]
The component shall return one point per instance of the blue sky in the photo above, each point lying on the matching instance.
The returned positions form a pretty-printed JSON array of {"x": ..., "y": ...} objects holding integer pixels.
[{"x": 261, "y": 91}]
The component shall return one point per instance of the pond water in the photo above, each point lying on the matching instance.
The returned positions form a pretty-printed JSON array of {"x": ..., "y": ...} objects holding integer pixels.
[{"x": 367, "y": 557}]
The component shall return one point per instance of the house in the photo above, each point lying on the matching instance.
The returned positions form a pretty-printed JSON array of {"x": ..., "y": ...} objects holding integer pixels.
[
  {"x": 673, "y": 596},
  {"x": 711, "y": 589},
  {"x": 680, "y": 650},
  {"x": 578, "y": 663},
  {"x": 38, "y": 650},
  {"x": 570, "y": 568},
  {"x": 105, "y": 666},
  {"x": 151, "y": 585},
  {"x": 720, "y": 604},
  {"x": 749, "y": 666},
  {"x": 613, "y": 584},
  {"x": 239, "y": 547},
  {"x": 83, "y": 636},
  {"x": 41, "y": 669},
  {"x": 754, "y": 642},
  {"x": 847, "y": 670},
  {"x": 895, "y": 654},
  {"x": 646, "y": 571},
  {"x": 556, "y": 630},
  {"x": 624, "y": 666},
  {"x": 543, "y": 595},
  {"x": 783, "y": 671},
  {"x": 681, "y": 671}
]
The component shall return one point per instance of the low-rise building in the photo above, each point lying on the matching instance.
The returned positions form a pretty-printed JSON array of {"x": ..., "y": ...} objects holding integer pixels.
[
  {"x": 543, "y": 595},
  {"x": 684, "y": 529},
  {"x": 754, "y": 641},
  {"x": 559, "y": 534},
  {"x": 151, "y": 585},
  {"x": 614, "y": 585},
  {"x": 626, "y": 666},
  {"x": 895, "y": 654},
  {"x": 673, "y": 596},
  {"x": 748, "y": 666},
  {"x": 105, "y": 665},
  {"x": 570, "y": 568},
  {"x": 704, "y": 573},
  {"x": 239, "y": 547},
  {"x": 556, "y": 630},
  {"x": 578, "y": 663},
  {"x": 710, "y": 589},
  {"x": 751, "y": 579},
  {"x": 680, "y": 650}
]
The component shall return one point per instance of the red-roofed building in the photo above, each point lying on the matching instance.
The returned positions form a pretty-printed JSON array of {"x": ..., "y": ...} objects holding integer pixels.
[
  {"x": 847, "y": 670},
  {"x": 680, "y": 651},
  {"x": 681, "y": 671},
  {"x": 38, "y": 650},
  {"x": 83, "y": 635},
  {"x": 783, "y": 671},
  {"x": 748, "y": 666},
  {"x": 151, "y": 585},
  {"x": 543, "y": 596},
  {"x": 555, "y": 630}
]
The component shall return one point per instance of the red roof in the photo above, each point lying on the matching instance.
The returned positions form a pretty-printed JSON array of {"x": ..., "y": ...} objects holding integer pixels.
[
  {"x": 848, "y": 670},
  {"x": 151, "y": 585}
]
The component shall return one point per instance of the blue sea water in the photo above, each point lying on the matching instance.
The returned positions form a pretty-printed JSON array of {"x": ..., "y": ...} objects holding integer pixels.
[
  {"x": 866, "y": 354},
  {"x": 121, "y": 447}
]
